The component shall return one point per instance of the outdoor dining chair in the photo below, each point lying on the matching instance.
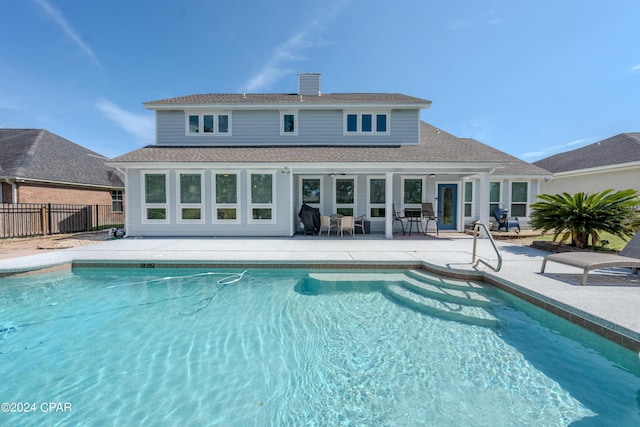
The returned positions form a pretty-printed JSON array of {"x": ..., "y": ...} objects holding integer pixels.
[{"x": 429, "y": 214}]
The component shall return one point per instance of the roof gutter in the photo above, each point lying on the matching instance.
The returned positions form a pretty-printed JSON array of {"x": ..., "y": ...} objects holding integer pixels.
[{"x": 63, "y": 183}]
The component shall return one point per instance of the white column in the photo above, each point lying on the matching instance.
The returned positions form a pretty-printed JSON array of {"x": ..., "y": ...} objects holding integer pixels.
[
  {"x": 483, "y": 195},
  {"x": 388, "y": 198}
]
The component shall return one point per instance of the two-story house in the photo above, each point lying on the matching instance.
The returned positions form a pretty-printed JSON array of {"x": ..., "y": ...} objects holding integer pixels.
[{"x": 244, "y": 164}]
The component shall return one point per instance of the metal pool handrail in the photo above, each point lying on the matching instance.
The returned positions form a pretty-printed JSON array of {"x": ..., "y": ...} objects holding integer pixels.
[{"x": 476, "y": 229}]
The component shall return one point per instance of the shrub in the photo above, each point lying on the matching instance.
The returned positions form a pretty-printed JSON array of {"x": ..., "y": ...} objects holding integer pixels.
[{"x": 582, "y": 215}]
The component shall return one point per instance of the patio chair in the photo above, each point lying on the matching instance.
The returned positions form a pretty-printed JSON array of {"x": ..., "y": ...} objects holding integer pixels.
[
  {"x": 628, "y": 257},
  {"x": 359, "y": 223},
  {"x": 398, "y": 218},
  {"x": 347, "y": 223},
  {"x": 503, "y": 222},
  {"x": 327, "y": 223},
  {"x": 429, "y": 214}
]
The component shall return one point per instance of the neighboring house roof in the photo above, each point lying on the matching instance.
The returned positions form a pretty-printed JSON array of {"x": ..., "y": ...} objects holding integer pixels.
[
  {"x": 436, "y": 146},
  {"x": 271, "y": 99},
  {"x": 37, "y": 154},
  {"x": 619, "y": 149}
]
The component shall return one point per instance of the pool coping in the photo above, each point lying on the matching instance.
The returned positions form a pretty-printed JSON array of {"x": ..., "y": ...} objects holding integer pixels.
[{"x": 609, "y": 330}]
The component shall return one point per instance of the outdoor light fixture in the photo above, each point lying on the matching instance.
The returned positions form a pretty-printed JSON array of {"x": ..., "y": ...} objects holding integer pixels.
[{"x": 286, "y": 170}]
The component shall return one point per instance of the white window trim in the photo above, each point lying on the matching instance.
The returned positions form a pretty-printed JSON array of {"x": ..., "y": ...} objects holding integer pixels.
[
  {"x": 272, "y": 205},
  {"x": 526, "y": 204},
  {"x": 422, "y": 178},
  {"x": 201, "y": 114},
  {"x": 464, "y": 202},
  {"x": 146, "y": 205},
  {"x": 235, "y": 205},
  {"x": 374, "y": 124},
  {"x": 374, "y": 205},
  {"x": 320, "y": 177},
  {"x": 180, "y": 205},
  {"x": 294, "y": 113},
  {"x": 500, "y": 202},
  {"x": 354, "y": 206}
]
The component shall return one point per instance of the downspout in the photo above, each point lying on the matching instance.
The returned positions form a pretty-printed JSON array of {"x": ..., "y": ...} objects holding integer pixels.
[
  {"x": 124, "y": 200},
  {"x": 14, "y": 190}
]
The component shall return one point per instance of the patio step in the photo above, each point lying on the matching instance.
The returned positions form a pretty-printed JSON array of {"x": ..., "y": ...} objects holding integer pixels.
[{"x": 447, "y": 310}]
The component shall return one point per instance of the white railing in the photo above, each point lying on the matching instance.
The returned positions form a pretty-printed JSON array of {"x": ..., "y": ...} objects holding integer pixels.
[{"x": 476, "y": 233}]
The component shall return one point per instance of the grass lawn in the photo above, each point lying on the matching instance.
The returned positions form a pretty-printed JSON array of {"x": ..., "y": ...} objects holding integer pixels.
[{"x": 615, "y": 242}]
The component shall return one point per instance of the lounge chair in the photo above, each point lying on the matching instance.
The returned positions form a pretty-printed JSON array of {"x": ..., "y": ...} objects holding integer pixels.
[{"x": 629, "y": 257}]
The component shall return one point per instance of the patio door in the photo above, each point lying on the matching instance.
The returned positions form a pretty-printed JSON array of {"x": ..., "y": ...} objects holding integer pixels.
[{"x": 448, "y": 206}]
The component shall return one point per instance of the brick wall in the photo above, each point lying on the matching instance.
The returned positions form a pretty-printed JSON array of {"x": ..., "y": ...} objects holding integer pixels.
[{"x": 35, "y": 193}]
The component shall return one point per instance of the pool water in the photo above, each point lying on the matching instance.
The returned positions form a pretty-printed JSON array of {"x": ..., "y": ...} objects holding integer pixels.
[{"x": 298, "y": 347}]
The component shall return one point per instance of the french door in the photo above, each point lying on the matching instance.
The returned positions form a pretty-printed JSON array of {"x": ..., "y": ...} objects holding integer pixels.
[{"x": 448, "y": 206}]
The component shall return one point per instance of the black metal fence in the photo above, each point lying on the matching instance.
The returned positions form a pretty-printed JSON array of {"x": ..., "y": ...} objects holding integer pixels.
[{"x": 37, "y": 219}]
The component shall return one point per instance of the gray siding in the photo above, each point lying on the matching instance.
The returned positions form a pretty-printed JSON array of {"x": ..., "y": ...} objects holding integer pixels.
[
  {"x": 315, "y": 127},
  {"x": 309, "y": 84}
]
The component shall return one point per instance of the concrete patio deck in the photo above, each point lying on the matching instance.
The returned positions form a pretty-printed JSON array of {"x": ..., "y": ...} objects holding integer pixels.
[{"x": 608, "y": 305}]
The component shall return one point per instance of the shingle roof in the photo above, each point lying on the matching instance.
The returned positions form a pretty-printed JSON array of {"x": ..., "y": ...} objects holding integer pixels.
[
  {"x": 275, "y": 98},
  {"x": 41, "y": 155},
  {"x": 622, "y": 148},
  {"x": 435, "y": 146}
]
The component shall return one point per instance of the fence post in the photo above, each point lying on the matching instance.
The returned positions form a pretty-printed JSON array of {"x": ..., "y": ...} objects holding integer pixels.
[
  {"x": 49, "y": 218},
  {"x": 89, "y": 218},
  {"x": 44, "y": 224},
  {"x": 97, "y": 218}
]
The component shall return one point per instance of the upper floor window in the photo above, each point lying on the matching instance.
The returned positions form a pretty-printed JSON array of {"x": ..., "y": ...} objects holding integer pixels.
[
  {"x": 366, "y": 123},
  {"x": 208, "y": 123},
  {"x": 288, "y": 123}
]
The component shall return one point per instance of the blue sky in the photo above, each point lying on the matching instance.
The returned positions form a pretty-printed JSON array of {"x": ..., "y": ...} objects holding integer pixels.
[{"x": 529, "y": 78}]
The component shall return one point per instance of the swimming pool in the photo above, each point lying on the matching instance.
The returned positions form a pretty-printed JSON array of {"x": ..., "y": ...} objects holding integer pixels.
[{"x": 298, "y": 347}]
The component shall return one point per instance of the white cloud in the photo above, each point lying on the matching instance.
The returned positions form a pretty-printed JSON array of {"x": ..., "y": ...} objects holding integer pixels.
[
  {"x": 635, "y": 69},
  {"x": 139, "y": 125},
  {"x": 291, "y": 50},
  {"x": 59, "y": 19},
  {"x": 556, "y": 149},
  {"x": 489, "y": 18}
]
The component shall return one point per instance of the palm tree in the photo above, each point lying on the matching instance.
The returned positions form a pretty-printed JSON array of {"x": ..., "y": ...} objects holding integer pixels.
[{"x": 585, "y": 215}]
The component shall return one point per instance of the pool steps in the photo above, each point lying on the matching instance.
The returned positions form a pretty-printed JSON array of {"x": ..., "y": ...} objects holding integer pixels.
[
  {"x": 471, "y": 315},
  {"x": 449, "y": 299}
]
